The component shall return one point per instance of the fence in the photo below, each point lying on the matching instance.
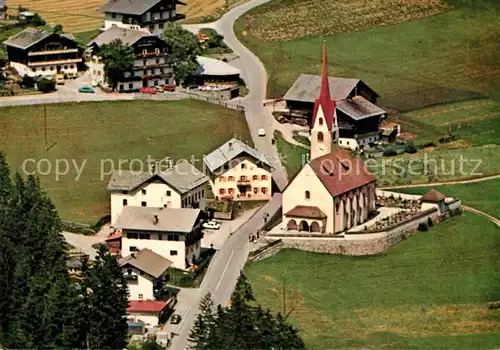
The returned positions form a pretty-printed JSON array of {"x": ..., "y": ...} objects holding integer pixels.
[{"x": 234, "y": 106}]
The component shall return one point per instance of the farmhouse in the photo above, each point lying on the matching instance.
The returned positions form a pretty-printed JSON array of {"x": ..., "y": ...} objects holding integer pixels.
[
  {"x": 238, "y": 172},
  {"x": 137, "y": 14},
  {"x": 151, "y": 67},
  {"x": 334, "y": 192},
  {"x": 35, "y": 52},
  {"x": 217, "y": 79},
  {"x": 175, "y": 234},
  {"x": 357, "y": 113},
  {"x": 145, "y": 272},
  {"x": 179, "y": 186}
]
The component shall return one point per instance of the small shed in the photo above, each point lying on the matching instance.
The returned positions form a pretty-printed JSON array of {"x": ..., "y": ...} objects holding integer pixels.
[{"x": 435, "y": 197}]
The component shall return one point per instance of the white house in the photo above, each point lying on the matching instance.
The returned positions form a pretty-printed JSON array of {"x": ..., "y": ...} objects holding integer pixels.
[
  {"x": 146, "y": 272},
  {"x": 179, "y": 186},
  {"x": 150, "y": 68},
  {"x": 149, "y": 312},
  {"x": 239, "y": 172},
  {"x": 334, "y": 191},
  {"x": 175, "y": 234},
  {"x": 136, "y": 14}
]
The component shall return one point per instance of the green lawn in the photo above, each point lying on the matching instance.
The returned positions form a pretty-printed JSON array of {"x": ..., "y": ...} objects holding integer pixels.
[
  {"x": 430, "y": 291},
  {"x": 83, "y": 38},
  {"x": 446, "y": 57},
  {"x": 483, "y": 195},
  {"x": 292, "y": 157},
  {"x": 99, "y": 131}
]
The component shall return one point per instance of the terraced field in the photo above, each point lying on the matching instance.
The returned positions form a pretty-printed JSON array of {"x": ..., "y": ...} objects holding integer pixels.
[
  {"x": 292, "y": 19},
  {"x": 80, "y": 16}
]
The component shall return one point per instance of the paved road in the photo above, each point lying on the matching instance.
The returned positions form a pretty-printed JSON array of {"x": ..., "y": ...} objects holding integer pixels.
[{"x": 478, "y": 212}]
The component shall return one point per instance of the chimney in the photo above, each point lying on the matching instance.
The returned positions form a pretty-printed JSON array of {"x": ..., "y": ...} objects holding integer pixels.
[
  {"x": 152, "y": 167},
  {"x": 230, "y": 145},
  {"x": 157, "y": 167},
  {"x": 156, "y": 219}
]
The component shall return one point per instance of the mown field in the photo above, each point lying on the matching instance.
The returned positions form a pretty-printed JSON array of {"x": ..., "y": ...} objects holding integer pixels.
[
  {"x": 421, "y": 61},
  {"x": 78, "y": 16},
  {"x": 100, "y": 131},
  {"x": 483, "y": 196},
  {"x": 428, "y": 292}
]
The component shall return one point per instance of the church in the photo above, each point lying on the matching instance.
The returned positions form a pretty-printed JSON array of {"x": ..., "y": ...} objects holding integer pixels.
[{"x": 334, "y": 191}]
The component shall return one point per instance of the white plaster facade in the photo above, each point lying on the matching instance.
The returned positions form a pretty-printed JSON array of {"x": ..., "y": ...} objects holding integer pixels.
[
  {"x": 171, "y": 246},
  {"x": 47, "y": 68},
  {"x": 149, "y": 318},
  {"x": 157, "y": 194},
  {"x": 321, "y": 136},
  {"x": 355, "y": 143},
  {"x": 140, "y": 284},
  {"x": 112, "y": 19},
  {"x": 244, "y": 180}
]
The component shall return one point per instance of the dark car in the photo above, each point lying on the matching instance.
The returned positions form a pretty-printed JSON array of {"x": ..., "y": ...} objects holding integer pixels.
[{"x": 176, "y": 319}]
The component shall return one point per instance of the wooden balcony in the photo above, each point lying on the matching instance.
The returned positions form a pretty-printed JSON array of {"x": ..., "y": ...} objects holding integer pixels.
[
  {"x": 52, "y": 52},
  {"x": 54, "y": 62}
]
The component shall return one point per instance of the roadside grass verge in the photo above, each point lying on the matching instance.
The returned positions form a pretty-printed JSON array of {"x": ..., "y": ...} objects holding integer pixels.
[
  {"x": 103, "y": 133},
  {"x": 430, "y": 291},
  {"x": 483, "y": 196}
]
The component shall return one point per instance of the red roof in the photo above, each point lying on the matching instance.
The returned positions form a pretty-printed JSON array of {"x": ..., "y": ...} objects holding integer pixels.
[
  {"x": 305, "y": 211},
  {"x": 433, "y": 196},
  {"x": 113, "y": 236},
  {"x": 341, "y": 173},
  {"x": 325, "y": 100},
  {"x": 146, "y": 305}
]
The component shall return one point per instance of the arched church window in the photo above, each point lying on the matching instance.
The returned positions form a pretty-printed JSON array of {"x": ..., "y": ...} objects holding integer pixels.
[
  {"x": 320, "y": 137},
  {"x": 320, "y": 121},
  {"x": 308, "y": 195}
]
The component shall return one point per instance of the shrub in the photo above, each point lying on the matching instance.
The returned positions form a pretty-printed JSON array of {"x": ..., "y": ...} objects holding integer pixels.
[
  {"x": 429, "y": 222},
  {"x": 410, "y": 149},
  {"x": 389, "y": 153},
  {"x": 28, "y": 82},
  {"x": 46, "y": 85},
  {"x": 429, "y": 144},
  {"x": 58, "y": 29},
  {"x": 422, "y": 227}
]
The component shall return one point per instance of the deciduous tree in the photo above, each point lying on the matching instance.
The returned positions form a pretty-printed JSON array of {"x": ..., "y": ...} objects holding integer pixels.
[{"x": 117, "y": 57}]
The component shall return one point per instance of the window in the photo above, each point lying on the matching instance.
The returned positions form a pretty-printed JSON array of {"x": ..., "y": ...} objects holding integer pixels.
[
  {"x": 144, "y": 236},
  {"x": 144, "y": 51},
  {"x": 243, "y": 165},
  {"x": 125, "y": 202},
  {"x": 173, "y": 238},
  {"x": 120, "y": 87},
  {"x": 222, "y": 191},
  {"x": 264, "y": 177},
  {"x": 173, "y": 252},
  {"x": 348, "y": 143},
  {"x": 222, "y": 178},
  {"x": 320, "y": 137},
  {"x": 264, "y": 190},
  {"x": 157, "y": 50},
  {"x": 141, "y": 296},
  {"x": 143, "y": 191},
  {"x": 157, "y": 61},
  {"x": 129, "y": 271},
  {"x": 164, "y": 205},
  {"x": 160, "y": 237},
  {"x": 132, "y": 236},
  {"x": 231, "y": 178},
  {"x": 51, "y": 68},
  {"x": 255, "y": 177},
  {"x": 307, "y": 195},
  {"x": 320, "y": 121},
  {"x": 255, "y": 190},
  {"x": 130, "y": 86},
  {"x": 113, "y": 15},
  {"x": 66, "y": 67},
  {"x": 43, "y": 69},
  {"x": 133, "y": 249},
  {"x": 114, "y": 25},
  {"x": 231, "y": 190},
  {"x": 144, "y": 204},
  {"x": 337, "y": 205},
  {"x": 33, "y": 69},
  {"x": 161, "y": 25},
  {"x": 169, "y": 193},
  {"x": 72, "y": 66},
  {"x": 145, "y": 61},
  {"x": 243, "y": 178}
]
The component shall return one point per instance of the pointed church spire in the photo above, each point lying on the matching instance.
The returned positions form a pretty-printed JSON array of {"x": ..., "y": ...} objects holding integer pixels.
[{"x": 325, "y": 85}]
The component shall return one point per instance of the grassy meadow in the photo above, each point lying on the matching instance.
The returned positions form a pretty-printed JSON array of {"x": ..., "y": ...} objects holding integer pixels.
[
  {"x": 482, "y": 195},
  {"x": 430, "y": 291},
  {"x": 97, "y": 131}
]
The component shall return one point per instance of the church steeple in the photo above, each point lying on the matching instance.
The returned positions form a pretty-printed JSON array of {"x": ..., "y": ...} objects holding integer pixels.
[{"x": 324, "y": 120}]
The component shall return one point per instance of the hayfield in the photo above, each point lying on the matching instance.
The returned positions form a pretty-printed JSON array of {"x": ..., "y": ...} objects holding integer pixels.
[
  {"x": 94, "y": 132},
  {"x": 428, "y": 292},
  {"x": 80, "y": 16}
]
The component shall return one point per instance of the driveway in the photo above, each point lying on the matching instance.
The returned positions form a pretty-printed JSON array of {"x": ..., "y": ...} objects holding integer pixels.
[{"x": 82, "y": 243}]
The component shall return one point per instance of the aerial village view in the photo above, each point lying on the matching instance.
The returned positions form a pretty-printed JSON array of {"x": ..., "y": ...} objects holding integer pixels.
[{"x": 249, "y": 174}]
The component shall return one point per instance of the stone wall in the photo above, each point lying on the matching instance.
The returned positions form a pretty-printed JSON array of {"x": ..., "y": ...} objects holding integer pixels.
[{"x": 273, "y": 248}]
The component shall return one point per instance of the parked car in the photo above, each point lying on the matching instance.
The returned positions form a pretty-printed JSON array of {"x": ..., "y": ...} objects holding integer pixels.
[
  {"x": 176, "y": 319},
  {"x": 169, "y": 88},
  {"x": 148, "y": 90},
  {"x": 60, "y": 80},
  {"x": 86, "y": 89},
  {"x": 261, "y": 132},
  {"x": 159, "y": 88},
  {"x": 211, "y": 225}
]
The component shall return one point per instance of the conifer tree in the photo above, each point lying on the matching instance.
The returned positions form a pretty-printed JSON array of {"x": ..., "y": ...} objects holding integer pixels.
[{"x": 200, "y": 332}]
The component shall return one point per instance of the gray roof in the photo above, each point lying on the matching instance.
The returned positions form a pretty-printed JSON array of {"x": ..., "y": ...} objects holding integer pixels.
[
  {"x": 127, "y": 36},
  {"x": 307, "y": 88},
  {"x": 129, "y": 7},
  {"x": 169, "y": 219},
  {"x": 27, "y": 38},
  {"x": 183, "y": 177},
  {"x": 230, "y": 150},
  {"x": 359, "y": 108},
  {"x": 147, "y": 261},
  {"x": 68, "y": 36}
]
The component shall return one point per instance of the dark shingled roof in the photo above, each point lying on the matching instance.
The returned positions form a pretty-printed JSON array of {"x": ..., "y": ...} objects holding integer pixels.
[
  {"x": 27, "y": 38},
  {"x": 129, "y": 7},
  {"x": 341, "y": 173},
  {"x": 127, "y": 36},
  {"x": 305, "y": 211},
  {"x": 147, "y": 261},
  {"x": 359, "y": 108},
  {"x": 307, "y": 87},
  {"x": 433, "y": 196}
]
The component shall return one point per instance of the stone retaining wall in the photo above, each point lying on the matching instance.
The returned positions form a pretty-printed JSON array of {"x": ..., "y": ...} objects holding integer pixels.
[{"x": 270, "y": 251}]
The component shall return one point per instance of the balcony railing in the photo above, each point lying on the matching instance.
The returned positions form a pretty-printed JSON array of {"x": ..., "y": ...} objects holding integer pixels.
[
  {"x": 130, "y": 277},
  {"x": 51, "y": 52},
  {"x": 44, "y": 63},
  {"x": 150, "y": 54}
]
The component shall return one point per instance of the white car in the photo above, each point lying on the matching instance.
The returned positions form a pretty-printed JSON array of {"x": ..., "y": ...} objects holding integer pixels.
[
  {"x": 261, "y": 132},
  {"x": 211, "y": 225}
]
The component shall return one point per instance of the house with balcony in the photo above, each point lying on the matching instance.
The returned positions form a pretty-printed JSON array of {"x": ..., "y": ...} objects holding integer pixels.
[
  {"x": 150, "y": 68},
  {"x": 178, "y": 186},
  {"x": 238, "y": 172},
  {"x": 137, "y": 14},
  {"x": 35, "y": 52},
  {"x": 174, "y": 234}
]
